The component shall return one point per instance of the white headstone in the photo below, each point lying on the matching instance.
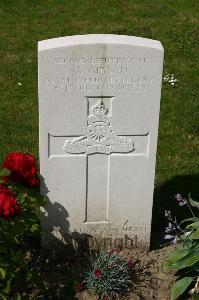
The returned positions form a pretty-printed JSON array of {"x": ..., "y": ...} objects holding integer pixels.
[{"x": 99, "y": 98}]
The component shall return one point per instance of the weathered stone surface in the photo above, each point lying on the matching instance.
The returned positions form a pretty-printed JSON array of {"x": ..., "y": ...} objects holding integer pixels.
[{"x": 99, "y": 98}]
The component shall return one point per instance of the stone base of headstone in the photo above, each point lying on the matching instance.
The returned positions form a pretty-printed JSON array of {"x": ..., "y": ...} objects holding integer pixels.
[{"x": 80, "y": 242}]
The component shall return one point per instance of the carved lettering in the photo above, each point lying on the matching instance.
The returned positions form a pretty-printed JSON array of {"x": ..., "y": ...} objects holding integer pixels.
[
  {"x": 100, "y": 61},
  {"x": 100, "y": 74}
]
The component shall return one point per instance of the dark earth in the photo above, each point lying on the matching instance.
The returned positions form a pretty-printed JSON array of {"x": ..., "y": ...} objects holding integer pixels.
[{"x": 63, "y": 275}]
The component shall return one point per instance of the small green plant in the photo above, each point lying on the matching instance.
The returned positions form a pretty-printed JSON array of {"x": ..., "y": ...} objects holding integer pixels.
[
  {"x": 185, "y": 258},
  {"x": 110, "y": 275}
]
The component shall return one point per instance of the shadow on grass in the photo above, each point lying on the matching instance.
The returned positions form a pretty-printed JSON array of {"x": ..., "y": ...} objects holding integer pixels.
[{"x": 164, "y": 199}]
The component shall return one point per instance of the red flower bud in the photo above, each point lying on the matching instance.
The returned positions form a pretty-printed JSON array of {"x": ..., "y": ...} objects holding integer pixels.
[
  {"x": 116, "y": 250},
  {"x": 131, "y": 263},
  {"x": 112, "y": 251},
  {"x": 98, "y": 273},
  {"x": 9, "y": 208}
]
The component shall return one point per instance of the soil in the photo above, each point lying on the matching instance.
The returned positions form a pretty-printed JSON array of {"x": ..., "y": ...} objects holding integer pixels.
[
  {"x": 151, "y": 282},
  {"x": 63, "y": 275}
]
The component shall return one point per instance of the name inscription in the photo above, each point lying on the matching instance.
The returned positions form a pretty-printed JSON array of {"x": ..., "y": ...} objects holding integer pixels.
[{"x": 100, "y": 74}]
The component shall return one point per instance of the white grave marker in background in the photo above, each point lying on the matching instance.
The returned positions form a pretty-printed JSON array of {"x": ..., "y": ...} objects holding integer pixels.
[{"x": 99, "y": 99}]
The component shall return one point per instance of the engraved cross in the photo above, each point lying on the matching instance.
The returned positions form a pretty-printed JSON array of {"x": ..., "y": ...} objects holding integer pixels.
[{"x": 98, "y": 143}]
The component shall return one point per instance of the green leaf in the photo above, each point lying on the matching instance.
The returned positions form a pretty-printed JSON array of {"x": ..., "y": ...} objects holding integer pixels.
[
  {"x": 180, "y": 286},
  {"x": 168, "y": 266},
  {"x": 188, "y": 260},
  {"x": 7, "y": 289},
  {"x": 193, "y": 202},
  {"x": 17, "y": 296},
  {"x": 195, "y": 297},
  {"x": 193, "y": 225},
  {"x": 177, "y": 254},
  {"x": 34, "y": 228},
  {"x": 23, "y": 196},
  {"x": 4, "y": 172},
  {"x": 174, "y": 256},
  {"x": 180, "y": 259},
  {"x": 195, "y": 267},
  {"x": 192, "y": 219},
  {"x": 2, "y": 273},
  {"x": 185, "y": 236},
  {"x": 195, "y": 235}
]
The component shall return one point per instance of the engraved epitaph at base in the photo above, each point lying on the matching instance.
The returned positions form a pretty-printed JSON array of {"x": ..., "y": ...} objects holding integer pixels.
[{"x": 94, "y": 239}]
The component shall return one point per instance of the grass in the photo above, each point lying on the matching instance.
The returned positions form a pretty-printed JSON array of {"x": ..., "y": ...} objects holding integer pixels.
[{"x": 174, "y": 23}]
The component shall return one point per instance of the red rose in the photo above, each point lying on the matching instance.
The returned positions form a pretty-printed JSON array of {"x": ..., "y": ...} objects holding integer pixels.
[
  {"x": 23, "y": 168},
  {"x": 9, "y": 208},
  {"x": 98, "y": 273}
]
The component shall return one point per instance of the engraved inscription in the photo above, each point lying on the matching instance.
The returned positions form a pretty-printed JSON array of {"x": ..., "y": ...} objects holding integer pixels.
[
  {"x": 99, "y": 135},
  {"x": 101, "y": 60},
  {"x": 101, "y": 74},
  {"x": 99, "y": 138}
]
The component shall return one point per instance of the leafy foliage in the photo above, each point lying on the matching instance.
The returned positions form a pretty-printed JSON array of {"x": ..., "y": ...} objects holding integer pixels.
[
  {"x": 110, "y": 275},
  {"x": 17, "y": 275},
  {"x": 185, "y": 259},
  {"x": 180, "y": 286}
]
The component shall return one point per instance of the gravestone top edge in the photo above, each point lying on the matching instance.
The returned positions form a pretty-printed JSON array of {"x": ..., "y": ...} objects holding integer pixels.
[{"x": 98, "y": 39}]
